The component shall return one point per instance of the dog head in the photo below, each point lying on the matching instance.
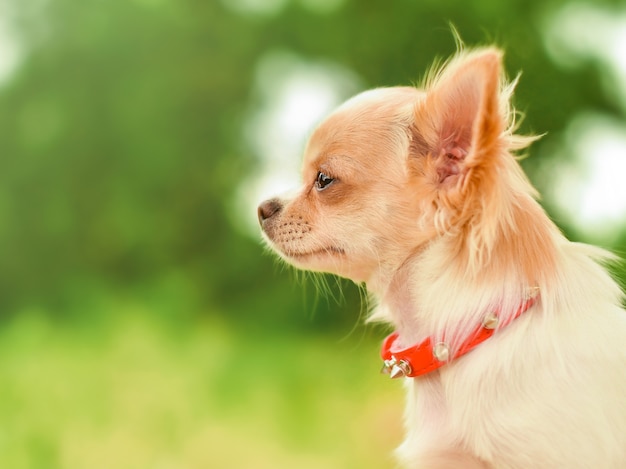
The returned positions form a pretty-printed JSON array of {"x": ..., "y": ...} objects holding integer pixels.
[{"x": 393, "y": 168}]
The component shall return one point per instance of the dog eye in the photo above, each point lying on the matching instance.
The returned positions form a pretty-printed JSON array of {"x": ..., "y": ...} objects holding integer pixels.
[{"x": 322, "y": 181}]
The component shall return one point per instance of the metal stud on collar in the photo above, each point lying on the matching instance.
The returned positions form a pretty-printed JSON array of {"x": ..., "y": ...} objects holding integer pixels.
[
  {"x": 396, "y": 368},
  {"x": 531, "y": 293},
  {"x": 441, "y": 352},
  {"x": 490, "y": 321}
]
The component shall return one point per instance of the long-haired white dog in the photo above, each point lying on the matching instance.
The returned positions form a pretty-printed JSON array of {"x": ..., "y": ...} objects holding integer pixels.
[{"x": 511, "y": 339}]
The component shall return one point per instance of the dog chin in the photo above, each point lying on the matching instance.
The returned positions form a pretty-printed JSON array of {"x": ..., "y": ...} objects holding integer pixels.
[{"x": 324, "y": 259}]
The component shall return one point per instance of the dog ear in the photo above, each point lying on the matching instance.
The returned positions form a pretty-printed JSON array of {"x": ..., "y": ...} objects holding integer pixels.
[{"x": 459, "y": 123}]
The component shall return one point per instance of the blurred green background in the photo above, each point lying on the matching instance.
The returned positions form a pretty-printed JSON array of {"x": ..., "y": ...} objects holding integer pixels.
[{"x": 142, "y": 322}]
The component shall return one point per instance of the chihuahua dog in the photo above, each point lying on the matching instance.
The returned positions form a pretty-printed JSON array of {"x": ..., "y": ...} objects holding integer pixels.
[{"x": 510, "y": 338}]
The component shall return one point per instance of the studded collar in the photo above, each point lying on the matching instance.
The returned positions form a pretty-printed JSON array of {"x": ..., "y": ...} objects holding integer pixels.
[{"x": 422, "y": 358}]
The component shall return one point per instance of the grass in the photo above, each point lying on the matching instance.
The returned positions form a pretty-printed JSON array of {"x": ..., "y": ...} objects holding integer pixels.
[{"x": 133, "y": 392}]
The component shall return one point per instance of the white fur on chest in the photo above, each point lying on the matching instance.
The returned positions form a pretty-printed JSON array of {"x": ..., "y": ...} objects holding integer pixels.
[{"x": 549, "y": 391}]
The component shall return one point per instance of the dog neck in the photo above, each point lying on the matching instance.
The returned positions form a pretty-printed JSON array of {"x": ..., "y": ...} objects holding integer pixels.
[{"x": 432, "y": 294}]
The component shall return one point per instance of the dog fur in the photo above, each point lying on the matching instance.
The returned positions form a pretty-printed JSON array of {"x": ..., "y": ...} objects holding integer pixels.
[{"x": 416, "y": 193}]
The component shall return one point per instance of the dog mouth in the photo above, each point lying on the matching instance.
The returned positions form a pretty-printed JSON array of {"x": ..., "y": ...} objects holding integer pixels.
[{"x": 329, "y": 251}]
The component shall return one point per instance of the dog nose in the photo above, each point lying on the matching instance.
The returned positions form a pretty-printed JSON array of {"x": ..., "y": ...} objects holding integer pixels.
[{"x": 268, "y": 209}]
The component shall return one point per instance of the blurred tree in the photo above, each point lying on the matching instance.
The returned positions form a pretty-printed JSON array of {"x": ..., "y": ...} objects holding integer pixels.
[{"x": 121, "y": 132}]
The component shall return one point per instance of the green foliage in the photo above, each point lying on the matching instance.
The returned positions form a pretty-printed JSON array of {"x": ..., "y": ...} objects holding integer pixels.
[
  {"x": 122, "y": 131},
  {"x": 130, "y": 393}
]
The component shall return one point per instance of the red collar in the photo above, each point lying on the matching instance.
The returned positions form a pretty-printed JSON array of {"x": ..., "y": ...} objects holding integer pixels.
[{"x": 425, "y": 357}]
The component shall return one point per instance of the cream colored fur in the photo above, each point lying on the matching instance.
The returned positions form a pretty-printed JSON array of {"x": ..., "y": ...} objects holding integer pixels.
[{"x": 416, "y": 193}]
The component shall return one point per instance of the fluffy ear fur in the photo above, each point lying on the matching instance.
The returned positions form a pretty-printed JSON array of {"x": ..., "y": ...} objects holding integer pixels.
[
  {"x": 459, "y": 124},
  {"x": 463, "y": 170}
]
